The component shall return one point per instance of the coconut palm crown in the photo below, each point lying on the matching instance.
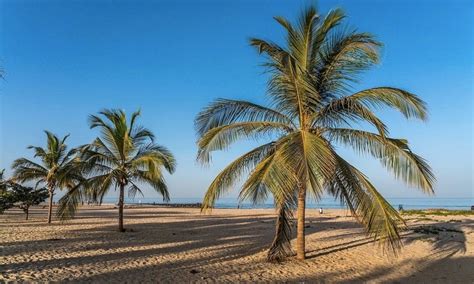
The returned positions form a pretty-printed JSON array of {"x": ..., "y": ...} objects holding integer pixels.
[
  {"x": 313, "y": 109},
  {"x": 56, "y": 169},
  {"x": 123, "y": 157}
]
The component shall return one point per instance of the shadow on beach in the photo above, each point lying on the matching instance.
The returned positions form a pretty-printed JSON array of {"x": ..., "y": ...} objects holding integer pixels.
[{"x": 164, "y": 244}]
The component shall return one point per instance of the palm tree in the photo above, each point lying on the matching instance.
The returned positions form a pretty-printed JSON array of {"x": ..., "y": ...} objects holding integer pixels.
[
  {"x": 124, "y": 157},
  {"x": 312, "y": 111},
  {"x": 56, "y": 169}
]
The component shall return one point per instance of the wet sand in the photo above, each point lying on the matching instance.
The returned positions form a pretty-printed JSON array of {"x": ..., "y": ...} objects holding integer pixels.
[{"x": 182, "y": 245}]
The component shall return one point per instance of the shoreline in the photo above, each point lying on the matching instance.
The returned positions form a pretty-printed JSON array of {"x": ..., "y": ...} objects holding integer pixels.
[{"x": 267, "y": 206}]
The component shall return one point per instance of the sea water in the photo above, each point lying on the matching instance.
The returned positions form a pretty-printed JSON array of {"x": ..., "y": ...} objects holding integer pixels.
[{"x": 407, "y": 203}]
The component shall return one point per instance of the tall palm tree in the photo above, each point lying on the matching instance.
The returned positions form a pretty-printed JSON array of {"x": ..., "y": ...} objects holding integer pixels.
[
  {"x": 56, "y": 168},
  {"x": 313, "y": 110},
  {"x": 124, "y": 157}
]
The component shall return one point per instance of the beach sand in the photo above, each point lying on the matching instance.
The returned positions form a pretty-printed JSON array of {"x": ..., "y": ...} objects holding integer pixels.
[{"x": 182, "y": 245}]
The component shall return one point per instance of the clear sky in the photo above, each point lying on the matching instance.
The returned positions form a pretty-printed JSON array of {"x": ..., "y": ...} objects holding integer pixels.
[{"x": 67, "y": 59}]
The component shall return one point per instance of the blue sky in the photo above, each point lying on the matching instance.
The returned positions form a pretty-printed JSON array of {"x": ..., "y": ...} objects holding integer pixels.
[{"x": 67, "y": 59}]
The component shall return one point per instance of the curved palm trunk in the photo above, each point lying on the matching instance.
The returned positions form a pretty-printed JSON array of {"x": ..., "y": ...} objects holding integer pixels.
[
  {"x": 300, "y": 235},
  {"x": 281, "y": 246},
  {"x": 120, "y": 205},
  {"x": 50, "y": 208}
]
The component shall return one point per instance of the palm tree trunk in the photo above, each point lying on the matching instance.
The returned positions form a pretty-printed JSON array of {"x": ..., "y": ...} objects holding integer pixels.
[
  {"x": 281, "y": 246},
  {"x": 120, "y": 204},
  {"x": 300, "y": 236},
  {"x": 50, "y": 209}
]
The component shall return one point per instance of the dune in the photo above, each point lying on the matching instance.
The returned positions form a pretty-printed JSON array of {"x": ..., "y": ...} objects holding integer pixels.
[{"x": 182, "y": 245}]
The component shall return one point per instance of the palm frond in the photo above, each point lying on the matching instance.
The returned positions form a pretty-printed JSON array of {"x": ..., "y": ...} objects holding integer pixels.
[
  {"x": 342, "y": 58},
  {"x": 224, "y": 112},
  {"x": 319, "y": 162},
  {"x": 99, "y": 185},
  {"x": 379, "y": 218},
  {"x": 219, "y": 138},
  {"x": 157, "y": 182},
  {"x": 133, "y": 119},
  {"x": 140, "y": 135},
  {"x": 39, "y": 152},
  {"x": 109, "y": 152},
  {"x": 96, "y": 160},
  {"x": 67, "y": 205},
  {"x": 332, "y": 20},
  {"x": 407, "y": 103},
  {"x": 394, "y": 154},
  {"x": 231, "y": 174},
  {"x": 25, "y": 163},
  {"x": 133, "y": 190},
  {"x": 156, "y": 154},
  {"x": 293, "y": 39},
  {"x": 345, "y": 111},
  {"x": 276, "y": 174},
  {"x": 276, "y": 53}
]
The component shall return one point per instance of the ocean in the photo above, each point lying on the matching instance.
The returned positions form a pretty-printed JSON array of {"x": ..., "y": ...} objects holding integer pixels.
[{"x": 407, "y": 203}]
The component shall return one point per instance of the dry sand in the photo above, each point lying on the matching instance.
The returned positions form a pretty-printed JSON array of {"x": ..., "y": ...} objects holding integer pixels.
[{"x": 181, "y": 245}]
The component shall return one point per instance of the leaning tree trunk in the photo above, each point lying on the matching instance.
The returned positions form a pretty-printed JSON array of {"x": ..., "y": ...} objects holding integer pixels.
[
  {"x": 50, "y": 208},
  {"x": 120, "y": 205},
  {"x": 281, "y": 246},
  {"x": 300, "y": 236}
]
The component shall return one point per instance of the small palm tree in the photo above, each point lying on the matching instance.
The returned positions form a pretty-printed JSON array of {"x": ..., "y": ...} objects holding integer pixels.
[
  {"x": 56, "y": 168},
  {"x": 124, "y": 157},
  {"x": 312, "y": 111}
]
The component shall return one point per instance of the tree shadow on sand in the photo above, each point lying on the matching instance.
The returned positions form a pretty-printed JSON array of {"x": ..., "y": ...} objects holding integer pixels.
[
  {"x": 152, "y": 239},
  {"x": 206, "y": 241},
  {"x": 447, "y": 264}
]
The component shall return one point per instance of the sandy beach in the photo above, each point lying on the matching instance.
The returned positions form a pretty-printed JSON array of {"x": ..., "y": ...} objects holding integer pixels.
[{"x": 182, "y": 245}]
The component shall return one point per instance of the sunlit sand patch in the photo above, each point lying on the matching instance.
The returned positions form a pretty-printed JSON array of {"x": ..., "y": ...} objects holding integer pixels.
[{"x": 183, "y": 245}]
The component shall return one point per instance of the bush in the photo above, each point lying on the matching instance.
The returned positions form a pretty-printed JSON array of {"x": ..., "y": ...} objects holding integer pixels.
[{"x": 24, "y": 197}]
